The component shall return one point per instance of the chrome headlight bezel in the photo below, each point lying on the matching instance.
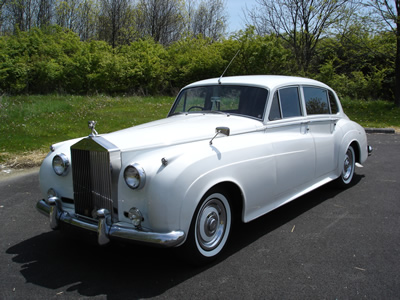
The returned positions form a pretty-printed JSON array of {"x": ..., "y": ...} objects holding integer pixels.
[
  {"x": 60, "y": 164},
  {"x": 134, "y": 176}
]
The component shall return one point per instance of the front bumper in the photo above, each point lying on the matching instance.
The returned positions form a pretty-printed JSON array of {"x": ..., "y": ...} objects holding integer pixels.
[{"x": 104, "y": 228}]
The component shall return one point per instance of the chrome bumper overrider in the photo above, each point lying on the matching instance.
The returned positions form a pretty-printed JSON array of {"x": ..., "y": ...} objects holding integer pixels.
[{"x": 105, "y": 230}]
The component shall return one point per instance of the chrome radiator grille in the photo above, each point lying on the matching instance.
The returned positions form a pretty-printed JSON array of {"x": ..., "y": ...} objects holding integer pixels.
[{"x": 92, "y": 178}]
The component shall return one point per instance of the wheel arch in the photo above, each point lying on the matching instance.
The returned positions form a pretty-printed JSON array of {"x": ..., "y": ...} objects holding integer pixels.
[
  {"x": 357, "y": 150},
  {"x": 236, "y": 197},
  {"x": 194, "y": 198},
  {"x": 349, "y": 139}
]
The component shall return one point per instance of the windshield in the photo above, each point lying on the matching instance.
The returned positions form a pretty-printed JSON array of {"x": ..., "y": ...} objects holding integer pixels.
[{"x": 241, "y": 100}]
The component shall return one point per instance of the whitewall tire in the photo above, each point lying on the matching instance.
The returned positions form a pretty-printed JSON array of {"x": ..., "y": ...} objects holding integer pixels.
[{"x": 210, "y": 228}]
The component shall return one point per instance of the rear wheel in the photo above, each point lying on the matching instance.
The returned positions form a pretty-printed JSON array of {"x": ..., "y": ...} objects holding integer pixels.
[
  {"x": 348, "y": 168},
  {"x": 210, "y": 228}
]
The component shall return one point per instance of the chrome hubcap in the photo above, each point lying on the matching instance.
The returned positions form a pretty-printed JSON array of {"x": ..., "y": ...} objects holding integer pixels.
[
  {"x": 348, "y": 165},
  {"x": 211, "y": 224}
]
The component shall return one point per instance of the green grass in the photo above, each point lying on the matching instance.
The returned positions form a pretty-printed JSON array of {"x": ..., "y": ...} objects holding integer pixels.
[
  {"x": 373, "y": 114},
  {"x": 33, "y": 123}
]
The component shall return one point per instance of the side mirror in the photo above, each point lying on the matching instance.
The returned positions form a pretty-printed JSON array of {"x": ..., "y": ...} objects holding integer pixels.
[{"x": 221, "y": 130}]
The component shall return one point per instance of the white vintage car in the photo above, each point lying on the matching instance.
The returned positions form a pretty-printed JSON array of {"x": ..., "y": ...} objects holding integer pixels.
[{"x": 231, "y": 149}]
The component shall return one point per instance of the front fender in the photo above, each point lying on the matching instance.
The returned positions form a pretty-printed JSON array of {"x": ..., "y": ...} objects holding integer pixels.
[{"x": 174, "y": 190}]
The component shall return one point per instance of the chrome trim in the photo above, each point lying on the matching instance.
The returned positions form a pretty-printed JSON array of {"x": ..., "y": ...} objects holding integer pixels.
[
  {"x": 95, "y": 176},
  {"x": 103, "y": 226},
  {"x": 107, "y": 231},
  {"x": 55, "y": 207},
  {"x": 92, "y": 125}
]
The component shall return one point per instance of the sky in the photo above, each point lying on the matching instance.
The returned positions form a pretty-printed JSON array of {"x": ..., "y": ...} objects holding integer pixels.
[{"x": 235, "y": 11}]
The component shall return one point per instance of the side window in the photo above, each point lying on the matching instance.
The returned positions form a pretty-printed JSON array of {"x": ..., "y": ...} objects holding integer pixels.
[
  {"x": 275, "y": 113},
  {"x": 285, "y": 104},
  {"x": 333, "y": 103},
  {"x": 290, "y": 102},
  {"x": 316, "y": 100}
]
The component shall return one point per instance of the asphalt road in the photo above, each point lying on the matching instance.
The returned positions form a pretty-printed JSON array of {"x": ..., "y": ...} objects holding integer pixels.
[{"x": 329, "y": 244}]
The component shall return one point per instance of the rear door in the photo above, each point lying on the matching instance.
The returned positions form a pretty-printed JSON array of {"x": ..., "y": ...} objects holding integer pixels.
[
  {"x": 293, "y": 145},
  {"x": 321, "y": 108}
]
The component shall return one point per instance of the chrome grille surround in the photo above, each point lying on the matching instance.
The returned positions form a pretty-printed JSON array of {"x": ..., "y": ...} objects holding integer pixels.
[{"x": 96, "y": 164}]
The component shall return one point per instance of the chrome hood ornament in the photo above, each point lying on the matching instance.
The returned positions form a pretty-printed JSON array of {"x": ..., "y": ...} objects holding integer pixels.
[{"x": 92, "y": 125}]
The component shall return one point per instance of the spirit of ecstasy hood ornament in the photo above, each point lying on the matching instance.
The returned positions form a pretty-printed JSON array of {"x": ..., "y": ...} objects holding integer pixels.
[{"x": 92, "y": 125}]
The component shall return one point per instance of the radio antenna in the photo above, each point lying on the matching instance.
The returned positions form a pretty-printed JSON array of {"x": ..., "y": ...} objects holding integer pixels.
[{"x": 219, "y": 80}]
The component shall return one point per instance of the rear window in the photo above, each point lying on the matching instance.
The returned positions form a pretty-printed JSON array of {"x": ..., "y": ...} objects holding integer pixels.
[{"x": 333, "y": 103}]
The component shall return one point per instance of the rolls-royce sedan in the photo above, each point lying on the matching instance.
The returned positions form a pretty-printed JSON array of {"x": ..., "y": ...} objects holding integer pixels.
[{"x": 230, "y": 150}]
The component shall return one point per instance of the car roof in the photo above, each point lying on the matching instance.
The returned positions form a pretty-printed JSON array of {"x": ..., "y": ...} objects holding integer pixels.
[{"x": 268, "y": 81}]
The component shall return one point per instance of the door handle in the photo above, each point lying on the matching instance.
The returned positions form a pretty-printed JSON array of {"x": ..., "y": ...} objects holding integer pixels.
[{"x": 306, "y": 124}]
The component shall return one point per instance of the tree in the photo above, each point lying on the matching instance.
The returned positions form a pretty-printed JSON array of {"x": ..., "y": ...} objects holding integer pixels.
[
  {"x": 80, "y": 16},
  {"x": 300, "y": 23},
  {"x": 163, "y": 20},
  {"x": 44, "y": 13},
  {"x": 87, "y": 20},
  {"x": 113, "y": 18},
  {"x": 24, "y": 15},
  {"x": 20, "y": 15},
  {"x": 389, "y": 10},
  {"x": 209, "y": 19},
  {"x": 67, "y": 13}
]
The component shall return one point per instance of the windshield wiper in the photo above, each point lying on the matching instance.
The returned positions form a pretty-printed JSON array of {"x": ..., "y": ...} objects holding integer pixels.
[{"x": 216, "y": 112}]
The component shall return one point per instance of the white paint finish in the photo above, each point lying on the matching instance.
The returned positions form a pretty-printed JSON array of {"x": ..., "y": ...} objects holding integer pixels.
[{"x": 271, "y": 162}]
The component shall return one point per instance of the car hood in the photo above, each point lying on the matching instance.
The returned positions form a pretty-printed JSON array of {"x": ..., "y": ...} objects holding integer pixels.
[{"x": 179, "y": 129}]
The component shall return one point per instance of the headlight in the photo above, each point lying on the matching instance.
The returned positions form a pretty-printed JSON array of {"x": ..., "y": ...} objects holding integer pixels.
[
  {"x": 60, "y": 164},
  {"x": 134, "y": 176}
]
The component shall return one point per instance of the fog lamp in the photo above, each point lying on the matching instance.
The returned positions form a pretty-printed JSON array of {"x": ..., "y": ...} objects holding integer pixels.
[
  {"x": 135, "y": 216},
  {"x": 51, "y": 193}
]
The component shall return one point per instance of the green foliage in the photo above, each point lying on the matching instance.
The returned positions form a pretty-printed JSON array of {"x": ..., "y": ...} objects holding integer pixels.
[
  {"x": 355, "y": 85},
  {"x": 357, "y": 64},
  {"x": 194, "y": 59},
  {"x": 144, "y": 67},
  {"x": 54, "y": 60},
  {"x": 258, "y": 54}
]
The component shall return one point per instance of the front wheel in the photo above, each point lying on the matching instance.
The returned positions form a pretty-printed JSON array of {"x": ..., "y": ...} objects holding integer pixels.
[
  {"x": 210, "y": 228},
  {"x": 348, "y": 168}
]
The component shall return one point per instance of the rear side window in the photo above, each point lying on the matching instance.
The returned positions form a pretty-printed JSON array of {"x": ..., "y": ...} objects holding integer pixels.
[
  {"x": 285, "y": 104},
  {"x": 317, "y": 101},
  {"x": 333, "y": 103}
]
